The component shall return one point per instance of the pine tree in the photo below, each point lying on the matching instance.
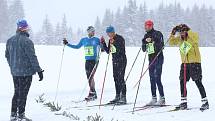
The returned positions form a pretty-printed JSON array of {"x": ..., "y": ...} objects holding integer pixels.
[
  {"x": 108, "y": 18},
  {"x": 16, "y": 12},
  {"x": 132, "y": 30},
  {"x": 142, "y": 16},
  {"x": 119, "y": 21},
  {"x": 47, "y": 35},
  {"x": 98, "y": 27},
  {"x": 57, "y": 35},
  {"x": 4, "y": 21},
  {"x": 64, "y": 27}
]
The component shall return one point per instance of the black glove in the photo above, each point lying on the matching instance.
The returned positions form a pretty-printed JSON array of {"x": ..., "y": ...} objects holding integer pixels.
[
  {"x": 65, "y": 42},
  {"x": 176, "y": 29},
  {"x": 40, "y": 75}
]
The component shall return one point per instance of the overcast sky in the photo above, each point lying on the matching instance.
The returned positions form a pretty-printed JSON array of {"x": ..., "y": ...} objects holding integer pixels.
[{"x": 81, "y": 13}]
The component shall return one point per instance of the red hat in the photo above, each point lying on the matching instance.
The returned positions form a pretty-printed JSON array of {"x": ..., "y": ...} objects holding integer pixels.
[{"x": 149, "y": 23}]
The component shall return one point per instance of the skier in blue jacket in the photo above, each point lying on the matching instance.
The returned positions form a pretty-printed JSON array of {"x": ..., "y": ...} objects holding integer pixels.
[{"x": 91, "y": 46}]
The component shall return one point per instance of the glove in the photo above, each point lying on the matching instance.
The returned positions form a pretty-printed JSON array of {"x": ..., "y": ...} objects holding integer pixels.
[
  {"x": 65, "y": 42},
  {"x": 102, "y": 40},
  {"x": 173, "y": 31},
  {"x": 176, "y": 29},
  {"x": 40, "y": 75}
]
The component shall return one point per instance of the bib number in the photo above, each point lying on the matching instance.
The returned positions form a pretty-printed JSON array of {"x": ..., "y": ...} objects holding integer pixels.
[
  {"x": 150, "y": 48},
  {"x": 89, "y": 51},
  {"x": 185, "y": 47},
  {"x": 112, "y": 48}
]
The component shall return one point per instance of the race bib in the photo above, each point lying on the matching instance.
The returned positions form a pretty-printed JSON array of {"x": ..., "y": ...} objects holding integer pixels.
[
  {"x": 112, "y": 48},
  {"x": 150, "y": 48},
  {"x": 185, "y": 47},
  {"x": 89, "y": 51}
]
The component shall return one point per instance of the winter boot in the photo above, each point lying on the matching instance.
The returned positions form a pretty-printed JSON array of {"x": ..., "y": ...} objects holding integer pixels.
[
  {"x": 122, "y": 100},
  {"x": 13, "y": 117},
  {"x": 182, "y": 106},
  {"x": 205, "y": 104},
  {"x": 22, "y": 117},
  {"x": 92, "y": 96},
  {"x": 115, "y": 100},
  {"x": 161, "y": 101},
  {"x": 153, "y": 101}
]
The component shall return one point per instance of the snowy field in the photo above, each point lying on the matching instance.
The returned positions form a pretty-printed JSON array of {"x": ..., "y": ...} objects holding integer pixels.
[{"x": 73, "y": 81}]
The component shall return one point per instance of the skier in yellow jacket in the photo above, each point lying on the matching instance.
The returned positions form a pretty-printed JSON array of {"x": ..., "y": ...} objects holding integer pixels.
[{"x": 188, "y": 42}]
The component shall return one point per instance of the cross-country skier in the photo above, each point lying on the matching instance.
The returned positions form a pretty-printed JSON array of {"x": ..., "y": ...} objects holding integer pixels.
[
  {"x": 91, "y": 46},
  {"x": 191, "y": 62},
  {"x": 116, "y": 47},
  {"x": 23, "y": 64},
  {"x": 153, "y": 43}
]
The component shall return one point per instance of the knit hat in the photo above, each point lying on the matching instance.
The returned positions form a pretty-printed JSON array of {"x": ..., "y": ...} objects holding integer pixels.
[
  {"x": 110, "y": 29},
  {"x": 90, "y": 29},
  {"x": 149, "y": 23},
  {"x": 22, "y": 25}
]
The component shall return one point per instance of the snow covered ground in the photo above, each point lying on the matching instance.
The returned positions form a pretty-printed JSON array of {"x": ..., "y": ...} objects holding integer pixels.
[{"x": 73, "y": 81}]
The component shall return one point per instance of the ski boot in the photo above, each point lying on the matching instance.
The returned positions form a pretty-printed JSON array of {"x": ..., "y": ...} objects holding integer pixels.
[
  {"x": 205, "y": 105},
  {"x": 92, "y": 96},
  {"x": 153, "y": 101},
  {"x": 13, "y": 117},
  {"x": 182, "y": 106},
  {"x": 115, "y": 100},
  {"x": 122, "y": 100},
  {"x": 22, "y": 117},
  {"x": 161, "y": 101}
]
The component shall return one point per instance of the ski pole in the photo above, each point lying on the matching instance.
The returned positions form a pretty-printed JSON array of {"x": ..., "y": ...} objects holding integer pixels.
[
  {"x": 104, "y": 78},
  {"x": 109, "y": 52},
  {"x": 59, "y": 76},
  {"x": 133, "y": 64},
  {"x": 135, "y": 101},
  {"x": 151, "y": 63},
  {"x": 185, "y": 77}
]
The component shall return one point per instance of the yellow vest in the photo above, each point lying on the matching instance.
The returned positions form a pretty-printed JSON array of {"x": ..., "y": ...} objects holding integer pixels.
[{"x": 193, "y": 55}]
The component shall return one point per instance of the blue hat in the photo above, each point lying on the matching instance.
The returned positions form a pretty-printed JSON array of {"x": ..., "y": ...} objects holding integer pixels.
[
  {"x": 110, "y": 29},
  {"x": 22, "y": 24}
]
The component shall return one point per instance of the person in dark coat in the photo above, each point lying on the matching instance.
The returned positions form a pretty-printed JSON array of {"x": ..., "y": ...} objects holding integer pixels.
[
  {"x": 153, "y": 43},
  {"x": 116, "y": 47},
  {"x": 23, "y": 64}
]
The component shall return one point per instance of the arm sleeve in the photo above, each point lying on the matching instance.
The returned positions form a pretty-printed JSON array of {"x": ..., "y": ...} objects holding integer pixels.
[
  {"x": 159, "y": 42},
  {"x": 144, "y": 44},
  {"x": 174, "y": 40},
  {"x": 106, "y": 48},
  {"x": 79, "y": 45},
  {"x": 121, "y": 45},
  {"x": 30, "y": 53},
  {"x": 7, "y": 55}
]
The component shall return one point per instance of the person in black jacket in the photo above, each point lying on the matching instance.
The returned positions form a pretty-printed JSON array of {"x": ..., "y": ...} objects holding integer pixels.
[
  {"x": 116, "y": 47},
  {"x": 153, "y": 43},
  {"x": 23, "y": 64}
]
